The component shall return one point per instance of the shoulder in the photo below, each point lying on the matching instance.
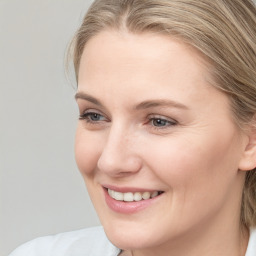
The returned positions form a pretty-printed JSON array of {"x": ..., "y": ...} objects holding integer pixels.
[
  {"x": 251, "y": 249},
  {"x": 90, "y": 241}
]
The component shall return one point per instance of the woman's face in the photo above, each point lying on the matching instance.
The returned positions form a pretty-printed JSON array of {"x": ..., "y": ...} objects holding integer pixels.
[{"x": 152, "y": 126}]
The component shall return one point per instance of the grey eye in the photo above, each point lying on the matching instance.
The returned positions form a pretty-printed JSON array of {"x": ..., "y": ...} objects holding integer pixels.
[
  {"x": 159, "y": 122},
  {"x": 95, "y": 117},
  {"x": 92, "y": 117}
]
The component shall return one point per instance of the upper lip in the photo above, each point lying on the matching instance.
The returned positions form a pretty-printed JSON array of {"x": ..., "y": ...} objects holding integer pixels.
[{"x": 125, "y": 189}]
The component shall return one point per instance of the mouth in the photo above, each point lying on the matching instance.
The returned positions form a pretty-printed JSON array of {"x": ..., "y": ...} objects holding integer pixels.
[
  {"x": 133, "y": 196},
  {"x": 130, "y": 200}
]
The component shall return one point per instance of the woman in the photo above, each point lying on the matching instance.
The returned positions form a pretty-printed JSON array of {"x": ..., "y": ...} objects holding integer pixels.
[{"x": 166, "y": 138}]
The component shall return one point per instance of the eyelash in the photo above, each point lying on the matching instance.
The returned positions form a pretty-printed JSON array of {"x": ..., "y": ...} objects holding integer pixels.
[
  {"x": 167, "y": 123},
  {"x": 164, "y": 123},
  {"x": 87, "y": 116}
]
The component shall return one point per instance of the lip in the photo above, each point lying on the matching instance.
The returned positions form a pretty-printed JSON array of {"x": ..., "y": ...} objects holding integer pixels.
[
  {"x": 127, "y": 189},
  {"x": 128, "y": 207}
]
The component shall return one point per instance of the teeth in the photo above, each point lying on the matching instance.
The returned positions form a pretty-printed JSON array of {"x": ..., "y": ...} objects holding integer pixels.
[
  {"x": 146, "y": 195},
  {"x": 118, "y": 196},
  {"x": 137, "y": 196},
  {"x": 130, "y": 197},
  {"x": 154, "y": 194},
  {"x": 111, "y": 193}
]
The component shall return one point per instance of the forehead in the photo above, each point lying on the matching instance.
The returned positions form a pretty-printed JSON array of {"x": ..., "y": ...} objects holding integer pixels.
[
  {"x": 147, "y": 45},
  {"x": 125, "y": 58},
  {"x": 127, "y": 52}
]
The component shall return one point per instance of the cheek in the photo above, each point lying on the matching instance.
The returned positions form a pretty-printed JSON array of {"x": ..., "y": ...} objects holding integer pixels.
[
  {"x": 87, "y": 151},
  {"x": 175, "y": 165},
  {"x": 182, "y": 163},
  {"x": 200, "y": 175}
]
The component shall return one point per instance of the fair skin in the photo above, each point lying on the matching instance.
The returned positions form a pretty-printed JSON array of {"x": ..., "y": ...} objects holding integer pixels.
[{"x": 150, "y": 121}]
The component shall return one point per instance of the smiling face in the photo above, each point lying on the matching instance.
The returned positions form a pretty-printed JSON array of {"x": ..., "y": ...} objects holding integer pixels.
[{"x": 151, "y": 126}]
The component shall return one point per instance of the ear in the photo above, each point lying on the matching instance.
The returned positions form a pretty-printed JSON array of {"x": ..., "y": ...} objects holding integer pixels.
[{"x": 248, "y": 160}]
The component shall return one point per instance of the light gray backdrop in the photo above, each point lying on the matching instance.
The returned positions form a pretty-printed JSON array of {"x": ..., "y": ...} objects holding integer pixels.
[{"x": 42, "y": 191}]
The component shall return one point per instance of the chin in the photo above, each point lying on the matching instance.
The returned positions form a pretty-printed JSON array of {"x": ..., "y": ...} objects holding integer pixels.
[
  {"x": 128, "y": 239},
  {"x": 133, "y": 235}
]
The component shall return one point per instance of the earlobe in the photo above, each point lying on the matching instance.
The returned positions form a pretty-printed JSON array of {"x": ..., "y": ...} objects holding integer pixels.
[{"x": 248, "y": 160}]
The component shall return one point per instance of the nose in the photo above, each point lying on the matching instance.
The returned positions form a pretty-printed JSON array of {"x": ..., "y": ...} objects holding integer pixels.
[{"x": 119, "y": 156}]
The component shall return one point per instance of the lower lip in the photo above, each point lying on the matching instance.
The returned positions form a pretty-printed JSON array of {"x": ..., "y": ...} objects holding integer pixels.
[{"x": 128, "y": 207}]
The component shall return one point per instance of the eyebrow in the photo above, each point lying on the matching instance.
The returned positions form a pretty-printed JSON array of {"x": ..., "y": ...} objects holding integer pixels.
[
  {"x": 143, "y": 105},
  {"x": 160, "y": 103},
  {"x": 84, "y": 96}
]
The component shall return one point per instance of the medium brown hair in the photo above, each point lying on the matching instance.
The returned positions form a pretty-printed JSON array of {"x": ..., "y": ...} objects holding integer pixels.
[{"x": 223, "y": 31}]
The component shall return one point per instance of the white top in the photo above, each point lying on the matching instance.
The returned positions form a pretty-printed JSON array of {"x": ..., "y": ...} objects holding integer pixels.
[{"x": 85, "y": 242}]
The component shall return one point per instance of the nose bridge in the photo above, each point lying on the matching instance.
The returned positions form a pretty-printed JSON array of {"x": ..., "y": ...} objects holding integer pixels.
[
  {"x": 118, "y": 155},
  {"x": 115, "y": 141}
]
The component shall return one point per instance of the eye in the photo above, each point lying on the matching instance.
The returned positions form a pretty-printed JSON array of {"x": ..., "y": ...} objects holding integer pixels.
[
  {"x": 160, "y": 122},
  {"x": 92, "y": 117}
]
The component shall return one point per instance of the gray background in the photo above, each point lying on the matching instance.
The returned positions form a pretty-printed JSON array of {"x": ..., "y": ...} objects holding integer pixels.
[{"x": 42, "y": 191}]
